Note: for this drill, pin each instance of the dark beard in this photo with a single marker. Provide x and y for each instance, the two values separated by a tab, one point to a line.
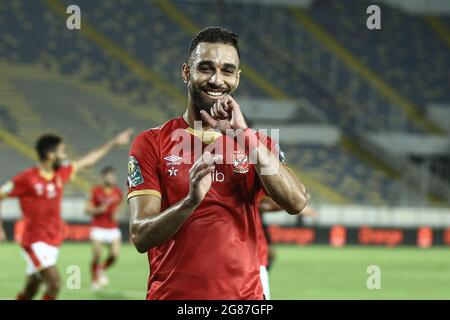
199	101
56	165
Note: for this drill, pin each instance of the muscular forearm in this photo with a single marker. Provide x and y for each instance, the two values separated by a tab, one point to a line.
152	231
281	184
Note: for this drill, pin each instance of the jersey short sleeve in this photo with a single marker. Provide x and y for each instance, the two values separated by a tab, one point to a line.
16	187
143	160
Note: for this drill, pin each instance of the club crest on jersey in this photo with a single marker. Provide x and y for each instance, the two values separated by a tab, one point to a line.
240	162
173	160
135	177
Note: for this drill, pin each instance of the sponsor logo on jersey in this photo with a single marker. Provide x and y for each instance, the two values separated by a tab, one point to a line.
217	176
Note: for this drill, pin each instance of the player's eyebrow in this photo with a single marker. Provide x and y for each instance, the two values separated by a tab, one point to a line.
230	65
211	64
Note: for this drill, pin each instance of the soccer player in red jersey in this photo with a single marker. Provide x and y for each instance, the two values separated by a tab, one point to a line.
194	213
103	205
40	191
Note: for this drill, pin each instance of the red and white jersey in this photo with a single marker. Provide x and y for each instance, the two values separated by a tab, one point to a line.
111	197
40	201
214	255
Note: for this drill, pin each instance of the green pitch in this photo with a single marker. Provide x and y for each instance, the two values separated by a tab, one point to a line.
314	272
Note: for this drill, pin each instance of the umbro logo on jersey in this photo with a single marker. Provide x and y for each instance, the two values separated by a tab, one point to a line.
173	160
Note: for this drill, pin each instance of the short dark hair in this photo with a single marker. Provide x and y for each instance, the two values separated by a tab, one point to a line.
107	169
47	143
215	35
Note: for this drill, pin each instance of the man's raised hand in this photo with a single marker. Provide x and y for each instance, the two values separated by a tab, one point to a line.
200	177
123	137
226	114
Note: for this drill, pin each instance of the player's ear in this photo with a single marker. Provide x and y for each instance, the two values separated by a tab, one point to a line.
185	69
238	78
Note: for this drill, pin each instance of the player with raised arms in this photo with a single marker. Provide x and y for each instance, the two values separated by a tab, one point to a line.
40	191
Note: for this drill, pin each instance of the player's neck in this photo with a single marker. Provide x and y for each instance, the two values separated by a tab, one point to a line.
107	187
192	114
46	170
45	167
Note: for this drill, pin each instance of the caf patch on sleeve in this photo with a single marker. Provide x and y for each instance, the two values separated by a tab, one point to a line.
135	177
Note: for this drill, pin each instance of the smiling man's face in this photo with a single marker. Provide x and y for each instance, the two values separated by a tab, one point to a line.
212	73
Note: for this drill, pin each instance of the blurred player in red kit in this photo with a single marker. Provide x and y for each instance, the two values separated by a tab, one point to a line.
266	253
104	206
40	191
194	213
